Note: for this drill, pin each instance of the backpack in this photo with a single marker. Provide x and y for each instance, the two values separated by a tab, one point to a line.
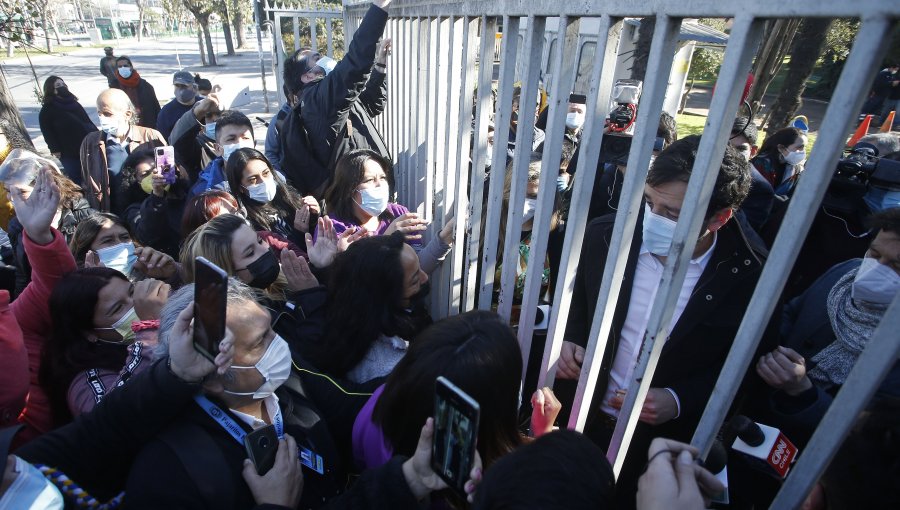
299	164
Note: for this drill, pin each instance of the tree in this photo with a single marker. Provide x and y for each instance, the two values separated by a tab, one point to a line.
12	30
642	48
240	10
807	48
226	25
141	6
837	48
776	42
202	10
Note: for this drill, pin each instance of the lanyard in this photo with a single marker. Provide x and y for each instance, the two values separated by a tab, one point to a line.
229	424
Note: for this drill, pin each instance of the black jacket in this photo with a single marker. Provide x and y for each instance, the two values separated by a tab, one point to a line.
698	343
156	222
64	129
345	94
149	104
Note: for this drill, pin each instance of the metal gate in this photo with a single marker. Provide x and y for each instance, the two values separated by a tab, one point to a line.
436	124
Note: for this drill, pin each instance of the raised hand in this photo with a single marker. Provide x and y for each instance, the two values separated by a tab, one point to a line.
154	264
36	212
383	51
410	224
297	272
188	364
545	409
422	480
149	298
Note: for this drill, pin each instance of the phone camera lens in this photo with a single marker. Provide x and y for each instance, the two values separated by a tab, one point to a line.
264	442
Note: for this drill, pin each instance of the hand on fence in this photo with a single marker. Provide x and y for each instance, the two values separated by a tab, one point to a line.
410	224
571	357
383	51
659	405
784	369
545	409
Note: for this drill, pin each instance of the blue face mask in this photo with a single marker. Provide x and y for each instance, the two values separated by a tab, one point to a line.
120	257
878	199
30	490
210	130
658	232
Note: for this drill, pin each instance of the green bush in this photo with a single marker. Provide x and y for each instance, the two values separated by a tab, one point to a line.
705	64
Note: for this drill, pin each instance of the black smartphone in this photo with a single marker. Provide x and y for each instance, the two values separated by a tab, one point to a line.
210	293
262	445
456	417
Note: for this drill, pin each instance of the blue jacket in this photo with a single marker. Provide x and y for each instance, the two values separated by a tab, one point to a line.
213	176
169	115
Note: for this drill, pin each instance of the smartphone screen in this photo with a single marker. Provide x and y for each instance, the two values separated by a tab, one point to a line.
455	432
210	293
165	162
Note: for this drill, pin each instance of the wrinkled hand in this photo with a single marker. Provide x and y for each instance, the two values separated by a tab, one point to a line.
206	107
149	298
571	357
545	409
448	232
154	264
410	224
283	484
784	369
188	364
422	480
37	212
673	481
324	249
383	51
659	406
91	259
297	272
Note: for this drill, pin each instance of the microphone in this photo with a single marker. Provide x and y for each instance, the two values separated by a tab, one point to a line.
767	448
716	462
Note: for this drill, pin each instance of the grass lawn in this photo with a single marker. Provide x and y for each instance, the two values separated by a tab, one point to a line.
694	124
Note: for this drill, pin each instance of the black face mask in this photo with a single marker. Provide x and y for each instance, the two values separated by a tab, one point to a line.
264	270
64	93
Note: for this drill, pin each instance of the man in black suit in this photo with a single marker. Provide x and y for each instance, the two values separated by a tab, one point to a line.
720	280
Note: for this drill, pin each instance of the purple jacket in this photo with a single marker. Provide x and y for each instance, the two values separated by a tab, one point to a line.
370	447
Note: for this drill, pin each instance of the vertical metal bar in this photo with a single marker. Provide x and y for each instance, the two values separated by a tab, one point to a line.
296	20
313	42
402	118
442	46
423	189
598	94
482	109
503	111
427	154
329	34
463	139
451	144
415	113
861	66
563	67
278	54
870	369
534	42
725	102
661	51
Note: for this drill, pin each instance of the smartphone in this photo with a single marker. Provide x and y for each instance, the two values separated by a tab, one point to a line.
262	445
455	432
165	162
210	293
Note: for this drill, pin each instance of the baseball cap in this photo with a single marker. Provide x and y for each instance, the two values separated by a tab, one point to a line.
183	77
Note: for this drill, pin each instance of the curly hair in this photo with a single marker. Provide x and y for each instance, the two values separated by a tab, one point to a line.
676	162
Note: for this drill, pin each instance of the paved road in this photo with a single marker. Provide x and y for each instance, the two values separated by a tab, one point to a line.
155	60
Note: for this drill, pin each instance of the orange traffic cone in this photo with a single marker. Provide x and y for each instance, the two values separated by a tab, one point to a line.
886	126
861	131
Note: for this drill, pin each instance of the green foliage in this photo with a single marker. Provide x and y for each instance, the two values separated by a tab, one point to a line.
705	64
720	24
838	42
287	35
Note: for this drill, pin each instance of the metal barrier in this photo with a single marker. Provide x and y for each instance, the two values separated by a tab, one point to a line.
436	125
279	52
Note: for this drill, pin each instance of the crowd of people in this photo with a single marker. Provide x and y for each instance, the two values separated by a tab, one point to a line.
105	402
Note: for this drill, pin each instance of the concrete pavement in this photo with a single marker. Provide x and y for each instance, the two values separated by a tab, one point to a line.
156	60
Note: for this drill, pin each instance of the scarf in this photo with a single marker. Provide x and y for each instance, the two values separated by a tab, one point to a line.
853	324
130	86
68	102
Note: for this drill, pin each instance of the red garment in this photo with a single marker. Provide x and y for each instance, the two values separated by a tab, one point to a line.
278	242
130	86
13	365
32	310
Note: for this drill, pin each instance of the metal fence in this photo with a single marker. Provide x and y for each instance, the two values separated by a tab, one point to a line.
436	124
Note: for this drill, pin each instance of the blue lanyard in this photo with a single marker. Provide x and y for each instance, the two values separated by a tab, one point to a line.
229	424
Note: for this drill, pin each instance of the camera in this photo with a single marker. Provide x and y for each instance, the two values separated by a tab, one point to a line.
623	106
857	170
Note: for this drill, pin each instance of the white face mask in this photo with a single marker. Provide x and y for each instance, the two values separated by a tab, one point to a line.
109	125
875	283
530	208
574	120
327	64
228	149
374	200
263	192
795	158
658	232
274	366
120	257
31	491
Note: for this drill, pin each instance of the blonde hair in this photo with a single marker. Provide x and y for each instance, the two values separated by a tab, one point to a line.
212	240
